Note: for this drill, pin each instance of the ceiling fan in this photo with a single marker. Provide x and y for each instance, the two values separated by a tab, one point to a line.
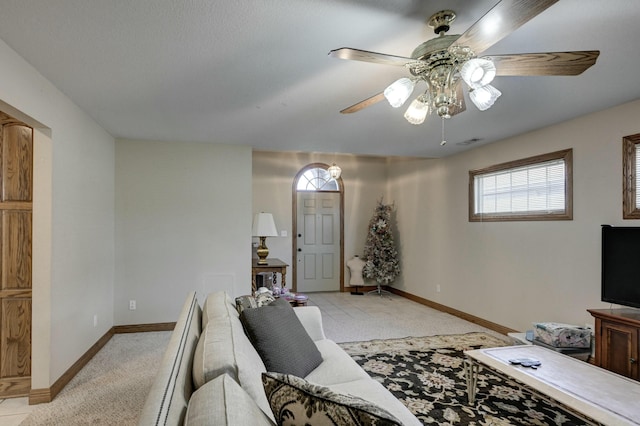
444	62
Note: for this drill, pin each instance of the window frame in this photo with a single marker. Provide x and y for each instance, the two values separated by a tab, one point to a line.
566	155
629	173
310	185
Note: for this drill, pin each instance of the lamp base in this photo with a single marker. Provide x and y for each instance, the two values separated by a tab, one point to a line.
262	252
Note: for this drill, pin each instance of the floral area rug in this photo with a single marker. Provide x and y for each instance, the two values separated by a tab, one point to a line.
427	375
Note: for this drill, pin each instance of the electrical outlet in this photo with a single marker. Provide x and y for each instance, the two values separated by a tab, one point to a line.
95	320
438	288
132	305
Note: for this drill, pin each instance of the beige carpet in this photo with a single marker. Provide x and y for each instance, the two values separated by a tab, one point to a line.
111	388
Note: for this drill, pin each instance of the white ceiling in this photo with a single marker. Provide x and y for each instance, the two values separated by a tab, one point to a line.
256	72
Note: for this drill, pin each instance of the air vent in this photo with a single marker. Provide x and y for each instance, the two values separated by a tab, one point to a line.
469	142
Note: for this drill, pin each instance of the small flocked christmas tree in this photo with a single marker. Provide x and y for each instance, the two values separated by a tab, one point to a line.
380	252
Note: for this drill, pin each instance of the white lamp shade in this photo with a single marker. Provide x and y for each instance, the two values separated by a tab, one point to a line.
418	110
264	226
484	97
478	72
399	91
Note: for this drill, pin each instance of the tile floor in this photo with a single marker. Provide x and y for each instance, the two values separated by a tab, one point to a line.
14	410
346	318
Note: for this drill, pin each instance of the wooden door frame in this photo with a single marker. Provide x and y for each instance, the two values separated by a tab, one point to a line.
294	221
18	385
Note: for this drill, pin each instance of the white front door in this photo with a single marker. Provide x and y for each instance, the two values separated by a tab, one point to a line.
318	227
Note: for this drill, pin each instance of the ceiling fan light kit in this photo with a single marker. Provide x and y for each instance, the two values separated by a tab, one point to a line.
440	65
484	97
446	61
418	110
478	72
399	91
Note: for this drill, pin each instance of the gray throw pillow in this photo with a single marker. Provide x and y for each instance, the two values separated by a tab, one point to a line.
295	401
281	302
280	339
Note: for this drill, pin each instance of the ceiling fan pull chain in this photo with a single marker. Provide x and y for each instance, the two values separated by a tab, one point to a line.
444	142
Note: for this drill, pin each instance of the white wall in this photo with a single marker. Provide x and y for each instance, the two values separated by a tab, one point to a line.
73	223
183	223
364	180
514	273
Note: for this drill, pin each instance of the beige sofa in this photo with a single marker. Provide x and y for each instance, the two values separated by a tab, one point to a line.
212	375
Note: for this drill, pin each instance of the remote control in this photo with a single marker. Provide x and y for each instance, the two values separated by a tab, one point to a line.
526	362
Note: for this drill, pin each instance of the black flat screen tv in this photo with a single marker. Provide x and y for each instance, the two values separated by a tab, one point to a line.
621	265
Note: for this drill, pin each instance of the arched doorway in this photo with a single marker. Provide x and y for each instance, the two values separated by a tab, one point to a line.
318	230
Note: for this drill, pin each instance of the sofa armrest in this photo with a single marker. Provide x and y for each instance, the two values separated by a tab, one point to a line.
311	320
167	401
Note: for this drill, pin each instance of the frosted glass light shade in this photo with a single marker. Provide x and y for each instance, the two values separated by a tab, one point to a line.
478	72
399	91
418	110
484	97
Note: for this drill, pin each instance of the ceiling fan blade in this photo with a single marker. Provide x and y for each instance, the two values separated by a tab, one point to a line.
366	56
363	104
550	63
504	18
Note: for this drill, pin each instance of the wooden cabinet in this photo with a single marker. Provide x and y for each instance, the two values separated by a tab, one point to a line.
617	340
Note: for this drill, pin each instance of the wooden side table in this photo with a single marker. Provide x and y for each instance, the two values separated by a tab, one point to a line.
274	266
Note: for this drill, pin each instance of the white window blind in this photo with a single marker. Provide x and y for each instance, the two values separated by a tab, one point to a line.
536	188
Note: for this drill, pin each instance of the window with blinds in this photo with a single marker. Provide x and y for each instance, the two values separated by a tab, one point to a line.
536	188
630	178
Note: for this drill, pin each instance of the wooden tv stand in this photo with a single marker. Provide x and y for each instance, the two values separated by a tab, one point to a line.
617	340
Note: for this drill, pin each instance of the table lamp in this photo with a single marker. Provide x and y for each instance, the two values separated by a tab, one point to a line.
263	227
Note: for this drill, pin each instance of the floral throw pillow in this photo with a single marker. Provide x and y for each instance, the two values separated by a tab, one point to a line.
294	401
245	302
248	302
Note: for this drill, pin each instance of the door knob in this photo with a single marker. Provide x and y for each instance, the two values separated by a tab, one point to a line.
299	249
299	235
633	360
